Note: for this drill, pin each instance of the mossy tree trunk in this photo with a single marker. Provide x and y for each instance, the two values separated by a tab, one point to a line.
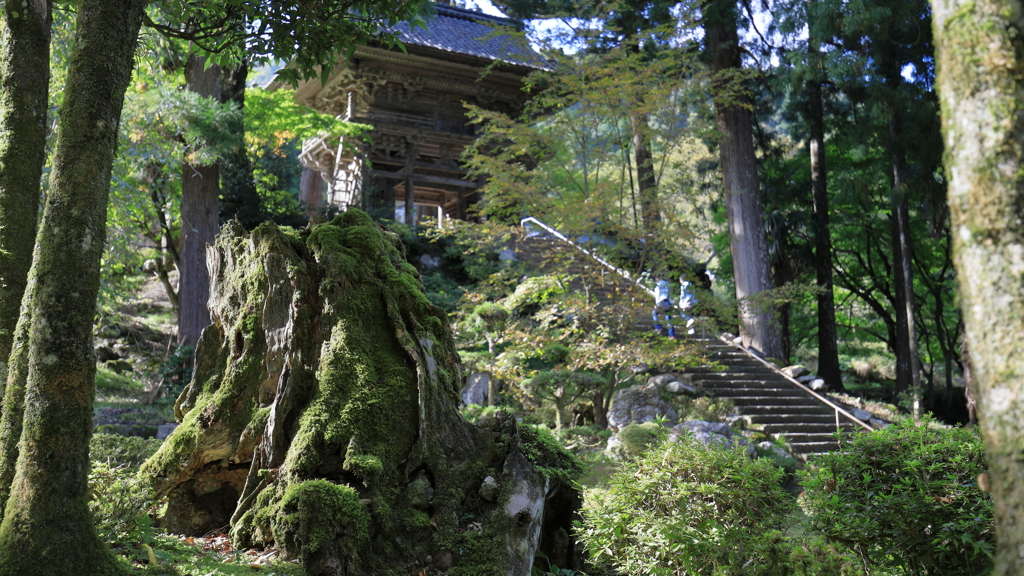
24	83
47	527
980	60
322	417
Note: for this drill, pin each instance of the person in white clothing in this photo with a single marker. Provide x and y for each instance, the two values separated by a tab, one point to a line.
663	304
686	301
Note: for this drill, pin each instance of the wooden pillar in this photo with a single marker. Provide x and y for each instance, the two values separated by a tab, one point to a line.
311	191
410	190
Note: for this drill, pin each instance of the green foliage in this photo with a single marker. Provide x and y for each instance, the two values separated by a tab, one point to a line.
492	316
636	438
274	116
707	408
311	38
533	292
562	387
906	498
687	509
474	412
175	372
442	291
116	451
119	499
548	457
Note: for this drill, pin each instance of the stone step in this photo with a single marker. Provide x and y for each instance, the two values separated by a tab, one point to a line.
745	368
732	376
784	418
790	428
805	449
806	437
778	401
786	409
724	392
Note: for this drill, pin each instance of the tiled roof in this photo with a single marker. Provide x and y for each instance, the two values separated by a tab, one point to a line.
474	33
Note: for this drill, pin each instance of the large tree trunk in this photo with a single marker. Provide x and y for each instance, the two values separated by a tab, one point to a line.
47	528
979	47
200	219
24	83
751	267
322	417
828	349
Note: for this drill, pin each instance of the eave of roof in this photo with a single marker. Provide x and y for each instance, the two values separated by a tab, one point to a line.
472	33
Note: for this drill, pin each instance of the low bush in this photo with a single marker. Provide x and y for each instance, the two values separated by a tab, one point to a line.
703	408
119	500
906	499
689	509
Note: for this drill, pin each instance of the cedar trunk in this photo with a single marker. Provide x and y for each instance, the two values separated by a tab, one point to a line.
908	373
980	81
322	418
24	81
47	527
828	349
200	219
751	268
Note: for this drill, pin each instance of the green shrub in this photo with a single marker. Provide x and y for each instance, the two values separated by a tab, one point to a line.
688	509
703	408
118	498
635	438
175	372
120	502
117	451
906	498
533	292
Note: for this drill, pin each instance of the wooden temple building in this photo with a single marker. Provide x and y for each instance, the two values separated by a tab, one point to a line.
414	102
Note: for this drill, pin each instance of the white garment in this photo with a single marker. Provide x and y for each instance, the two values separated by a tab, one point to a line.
662	292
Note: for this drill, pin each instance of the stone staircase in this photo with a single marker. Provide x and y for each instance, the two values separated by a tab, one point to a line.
770	402
766	398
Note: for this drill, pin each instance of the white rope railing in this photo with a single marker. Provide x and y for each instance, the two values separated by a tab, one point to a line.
624	273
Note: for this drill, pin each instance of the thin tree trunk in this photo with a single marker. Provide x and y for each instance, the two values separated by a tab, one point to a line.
978	57
24	82
828	349
907	364
47	527
646	179
200	211
751	269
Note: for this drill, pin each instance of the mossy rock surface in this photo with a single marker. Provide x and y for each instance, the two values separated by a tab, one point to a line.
322	414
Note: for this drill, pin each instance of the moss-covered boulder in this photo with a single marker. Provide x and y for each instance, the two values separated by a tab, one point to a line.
322	418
